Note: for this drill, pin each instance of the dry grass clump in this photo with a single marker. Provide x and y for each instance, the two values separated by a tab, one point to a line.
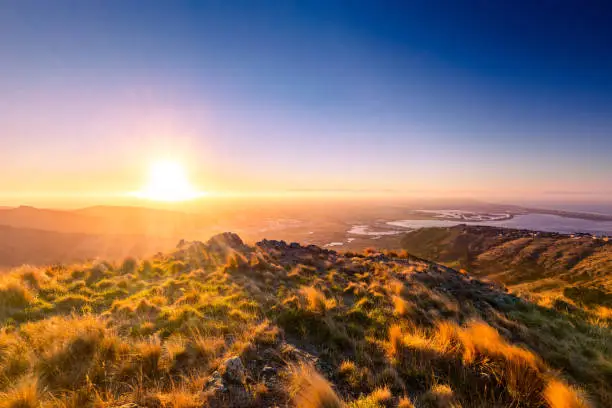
379	398
381	395
314	300
395	287
400	306
24	395
405	402
559	395
14	294
15	358
440	396
180	397
68	350
478	357
147	359
309	389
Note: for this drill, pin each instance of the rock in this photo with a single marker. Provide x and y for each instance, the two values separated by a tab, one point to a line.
271	354
269	377
272	244
233	370
226	239
223	393
215	383
294	245
268	371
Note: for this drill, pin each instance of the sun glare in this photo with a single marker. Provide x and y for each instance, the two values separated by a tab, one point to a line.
168	182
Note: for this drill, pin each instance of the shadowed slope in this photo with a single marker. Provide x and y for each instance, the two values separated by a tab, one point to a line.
575	268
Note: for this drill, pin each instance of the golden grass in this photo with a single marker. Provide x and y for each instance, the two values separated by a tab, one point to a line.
400	306
153	334
405	402
24	395
310	390
13	294
478	348
315	300
559	395
440	396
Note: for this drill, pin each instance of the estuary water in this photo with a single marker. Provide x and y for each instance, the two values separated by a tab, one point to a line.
536	222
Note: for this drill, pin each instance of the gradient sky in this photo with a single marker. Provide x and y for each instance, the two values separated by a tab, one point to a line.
472	98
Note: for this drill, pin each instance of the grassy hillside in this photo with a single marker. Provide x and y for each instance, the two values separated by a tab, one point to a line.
226	324
546	265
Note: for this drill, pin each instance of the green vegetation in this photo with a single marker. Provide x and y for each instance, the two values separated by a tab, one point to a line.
226	324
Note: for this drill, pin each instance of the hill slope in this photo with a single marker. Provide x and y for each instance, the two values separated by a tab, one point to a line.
578	269
227	324
22	245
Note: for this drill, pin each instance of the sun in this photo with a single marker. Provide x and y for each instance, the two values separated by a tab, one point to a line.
168	182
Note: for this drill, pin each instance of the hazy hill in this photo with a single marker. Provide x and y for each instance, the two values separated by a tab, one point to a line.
35	247
140	220
105	220
223	323
580	268
50	220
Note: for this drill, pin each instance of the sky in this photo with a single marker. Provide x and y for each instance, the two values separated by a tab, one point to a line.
485	99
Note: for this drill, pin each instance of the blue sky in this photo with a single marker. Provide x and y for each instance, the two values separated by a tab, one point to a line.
490	99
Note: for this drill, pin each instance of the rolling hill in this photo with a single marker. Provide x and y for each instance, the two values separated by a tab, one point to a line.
226	324
37	247
104	220
577	269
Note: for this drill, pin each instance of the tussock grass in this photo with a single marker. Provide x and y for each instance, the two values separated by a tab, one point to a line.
25	394
312	328
310	390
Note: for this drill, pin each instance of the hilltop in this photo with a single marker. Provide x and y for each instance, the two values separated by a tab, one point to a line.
573	268
224	323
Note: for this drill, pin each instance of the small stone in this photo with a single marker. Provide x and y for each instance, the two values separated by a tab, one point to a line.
233	370
215	383
268	371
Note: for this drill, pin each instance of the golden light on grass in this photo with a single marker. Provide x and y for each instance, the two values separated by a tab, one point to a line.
168	181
